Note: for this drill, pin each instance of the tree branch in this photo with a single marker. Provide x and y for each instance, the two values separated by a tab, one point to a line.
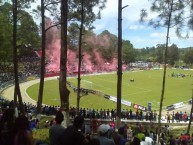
51	3
52	26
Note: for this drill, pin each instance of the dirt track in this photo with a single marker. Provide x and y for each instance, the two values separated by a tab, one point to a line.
9	93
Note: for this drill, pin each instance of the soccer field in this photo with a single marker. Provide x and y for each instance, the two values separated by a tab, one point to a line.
146	88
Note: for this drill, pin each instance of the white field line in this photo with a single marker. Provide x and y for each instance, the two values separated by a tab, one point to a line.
108	88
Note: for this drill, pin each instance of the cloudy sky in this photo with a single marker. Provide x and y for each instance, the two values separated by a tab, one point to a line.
139	34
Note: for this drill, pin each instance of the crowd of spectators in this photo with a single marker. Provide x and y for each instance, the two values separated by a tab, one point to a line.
110	114
31	66
27	66
93	134
15	130
6	74
103	114
100	133
177	116
100	126
129	114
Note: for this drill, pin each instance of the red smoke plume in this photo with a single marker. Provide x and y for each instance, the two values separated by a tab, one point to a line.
91	62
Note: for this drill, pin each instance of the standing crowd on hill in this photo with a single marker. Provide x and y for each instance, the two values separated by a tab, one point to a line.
27	66
103	114
100	131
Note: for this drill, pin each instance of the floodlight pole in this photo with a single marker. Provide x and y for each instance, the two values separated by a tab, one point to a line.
119	72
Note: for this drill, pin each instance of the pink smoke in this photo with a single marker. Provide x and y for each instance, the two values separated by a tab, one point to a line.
91	61
53	54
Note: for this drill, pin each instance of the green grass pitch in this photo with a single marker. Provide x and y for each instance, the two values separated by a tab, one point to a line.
146	88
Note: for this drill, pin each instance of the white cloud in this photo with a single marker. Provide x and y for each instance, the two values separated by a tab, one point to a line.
158	35
139	34
131	13
136	27
110	10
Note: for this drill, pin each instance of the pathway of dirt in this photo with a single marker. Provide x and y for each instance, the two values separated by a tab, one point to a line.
9	93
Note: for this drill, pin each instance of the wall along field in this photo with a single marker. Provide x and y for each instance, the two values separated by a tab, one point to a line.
146	88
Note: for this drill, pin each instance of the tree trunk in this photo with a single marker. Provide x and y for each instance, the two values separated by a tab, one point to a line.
41	86
80	56
64	92
191	111
15	60
15	97
119	72
164	73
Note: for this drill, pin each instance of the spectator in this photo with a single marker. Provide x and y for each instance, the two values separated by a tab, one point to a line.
184	142
172	141
129	134
140	135
116	138
185	117
103	132
95	124
136	129
73	134
6	127
94	141
192	136
136	141
22	133
122	134
185	137
148	140
112	124
143	142
56	131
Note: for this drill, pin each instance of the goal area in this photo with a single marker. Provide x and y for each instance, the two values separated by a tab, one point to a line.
86	84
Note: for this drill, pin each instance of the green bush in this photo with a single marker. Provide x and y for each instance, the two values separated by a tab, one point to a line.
41	135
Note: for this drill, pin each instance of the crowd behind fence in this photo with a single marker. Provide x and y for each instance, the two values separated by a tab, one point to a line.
31	66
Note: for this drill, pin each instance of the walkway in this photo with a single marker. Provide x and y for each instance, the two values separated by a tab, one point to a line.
9	95
9	92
